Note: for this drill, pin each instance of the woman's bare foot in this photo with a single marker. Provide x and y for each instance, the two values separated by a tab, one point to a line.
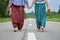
42	29
19	30
39	30
15	29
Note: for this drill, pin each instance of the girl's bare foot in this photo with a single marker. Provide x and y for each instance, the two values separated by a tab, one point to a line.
15	29
19	30
42	29
39	30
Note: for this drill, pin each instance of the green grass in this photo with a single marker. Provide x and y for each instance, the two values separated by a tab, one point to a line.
5	19
30	15
52	17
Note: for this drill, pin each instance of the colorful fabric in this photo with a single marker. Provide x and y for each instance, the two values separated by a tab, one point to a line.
40	12
18	16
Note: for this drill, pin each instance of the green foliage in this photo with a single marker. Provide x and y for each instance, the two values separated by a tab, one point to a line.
3	7
54	17
59	11
6	19
29	15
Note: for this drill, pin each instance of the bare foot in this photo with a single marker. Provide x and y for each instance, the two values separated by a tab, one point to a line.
42	29
19	30
15	30
39	30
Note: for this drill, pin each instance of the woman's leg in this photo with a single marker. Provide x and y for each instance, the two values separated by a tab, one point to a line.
37	22
43	17
37	14
14	17
21	17
40	12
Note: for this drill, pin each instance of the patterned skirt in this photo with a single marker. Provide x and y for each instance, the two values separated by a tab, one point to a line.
40	13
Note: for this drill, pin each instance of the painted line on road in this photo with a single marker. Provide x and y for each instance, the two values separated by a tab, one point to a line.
30	24
31	36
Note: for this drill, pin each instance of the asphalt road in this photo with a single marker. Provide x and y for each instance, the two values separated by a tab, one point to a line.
29	31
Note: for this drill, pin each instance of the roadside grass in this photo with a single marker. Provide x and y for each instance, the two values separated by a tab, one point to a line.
7	19
52	17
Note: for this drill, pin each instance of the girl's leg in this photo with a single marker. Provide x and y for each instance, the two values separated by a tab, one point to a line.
14	17
37	22
37	14
21	17
43	21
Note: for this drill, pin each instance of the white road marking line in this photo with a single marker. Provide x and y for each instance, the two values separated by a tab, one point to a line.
30	24
31	36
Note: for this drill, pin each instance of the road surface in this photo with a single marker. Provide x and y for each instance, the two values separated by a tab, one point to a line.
29	31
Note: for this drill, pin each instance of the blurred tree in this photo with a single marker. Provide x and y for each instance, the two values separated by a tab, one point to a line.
3	7
59	9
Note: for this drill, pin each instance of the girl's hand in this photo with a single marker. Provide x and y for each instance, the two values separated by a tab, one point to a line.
48	8
29	6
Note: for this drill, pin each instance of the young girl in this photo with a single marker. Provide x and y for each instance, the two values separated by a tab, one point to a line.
17	8
40	12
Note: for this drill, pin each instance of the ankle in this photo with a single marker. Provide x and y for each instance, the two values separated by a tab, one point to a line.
15	28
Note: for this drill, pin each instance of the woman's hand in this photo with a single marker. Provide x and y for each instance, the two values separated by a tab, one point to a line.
48	11
48	8
29	6
33	2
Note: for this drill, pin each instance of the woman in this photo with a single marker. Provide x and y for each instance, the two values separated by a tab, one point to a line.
17	8
40	12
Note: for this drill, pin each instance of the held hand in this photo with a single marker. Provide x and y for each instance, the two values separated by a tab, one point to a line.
29	6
